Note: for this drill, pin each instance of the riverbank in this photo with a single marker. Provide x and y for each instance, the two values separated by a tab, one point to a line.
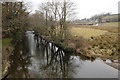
6	53
72	44
8	42
90	41
90	48
41	59
114	65
7	49
103	43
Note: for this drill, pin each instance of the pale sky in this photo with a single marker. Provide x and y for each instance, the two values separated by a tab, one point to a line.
88	8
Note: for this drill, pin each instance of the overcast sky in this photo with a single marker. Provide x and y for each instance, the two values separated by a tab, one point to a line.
88	8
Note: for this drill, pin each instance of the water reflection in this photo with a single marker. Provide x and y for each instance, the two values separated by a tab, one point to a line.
20	60
49	61
33	57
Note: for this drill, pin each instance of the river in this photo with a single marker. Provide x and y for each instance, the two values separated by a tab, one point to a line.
36	58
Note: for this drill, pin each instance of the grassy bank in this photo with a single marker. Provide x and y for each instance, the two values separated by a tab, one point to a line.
6	41
6	52
103	41
91	41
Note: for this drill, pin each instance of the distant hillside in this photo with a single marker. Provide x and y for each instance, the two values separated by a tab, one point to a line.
100	19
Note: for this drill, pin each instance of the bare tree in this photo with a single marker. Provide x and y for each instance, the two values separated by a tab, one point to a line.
56	13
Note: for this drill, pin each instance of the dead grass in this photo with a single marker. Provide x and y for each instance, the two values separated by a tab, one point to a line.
112	29
86	32
113	24
102	40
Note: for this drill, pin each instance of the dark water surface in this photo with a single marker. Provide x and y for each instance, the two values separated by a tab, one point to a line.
36	58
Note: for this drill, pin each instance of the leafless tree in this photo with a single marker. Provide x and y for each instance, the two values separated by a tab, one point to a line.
56	13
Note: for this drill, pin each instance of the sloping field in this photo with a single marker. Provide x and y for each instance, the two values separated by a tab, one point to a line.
87	32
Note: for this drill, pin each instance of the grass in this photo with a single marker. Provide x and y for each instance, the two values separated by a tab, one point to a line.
111	29
101	40
107	45
113	24
87	32
6	41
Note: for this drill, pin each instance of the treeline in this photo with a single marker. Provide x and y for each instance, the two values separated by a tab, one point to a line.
51	19
105	17
97	16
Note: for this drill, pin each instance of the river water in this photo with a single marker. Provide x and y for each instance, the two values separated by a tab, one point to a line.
36	58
